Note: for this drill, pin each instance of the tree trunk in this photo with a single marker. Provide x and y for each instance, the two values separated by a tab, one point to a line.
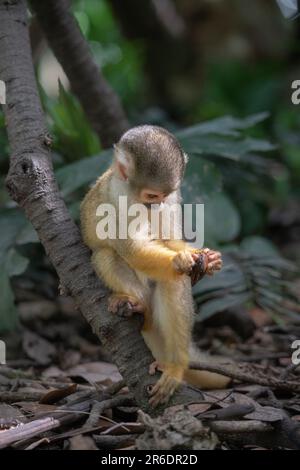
31	183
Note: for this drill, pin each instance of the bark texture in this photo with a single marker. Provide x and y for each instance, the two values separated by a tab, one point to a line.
31	183
100	103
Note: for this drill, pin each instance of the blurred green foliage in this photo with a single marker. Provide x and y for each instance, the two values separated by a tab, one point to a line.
239	88
73	136
121	60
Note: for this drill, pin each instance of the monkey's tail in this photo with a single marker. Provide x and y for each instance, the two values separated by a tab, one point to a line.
205	380
202	378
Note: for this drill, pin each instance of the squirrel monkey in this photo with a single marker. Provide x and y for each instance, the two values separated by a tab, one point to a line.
146	275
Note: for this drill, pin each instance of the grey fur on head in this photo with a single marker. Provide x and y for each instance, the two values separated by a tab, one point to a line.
158	158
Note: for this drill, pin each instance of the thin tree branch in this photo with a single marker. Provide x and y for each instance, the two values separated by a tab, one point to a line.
31	183
28	430
250	373
100	103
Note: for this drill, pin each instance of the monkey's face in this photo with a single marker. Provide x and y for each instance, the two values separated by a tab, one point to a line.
152	162
150	196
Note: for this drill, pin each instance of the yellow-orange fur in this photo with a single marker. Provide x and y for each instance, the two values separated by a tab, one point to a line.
145	271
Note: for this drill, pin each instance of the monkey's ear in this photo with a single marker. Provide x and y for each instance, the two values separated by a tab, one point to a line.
186	158
122	162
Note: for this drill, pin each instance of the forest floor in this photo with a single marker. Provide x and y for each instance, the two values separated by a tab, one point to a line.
58	389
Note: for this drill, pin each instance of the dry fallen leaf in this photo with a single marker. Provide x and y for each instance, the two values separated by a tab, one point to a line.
54	372
260	413
260	317
196	408
81	442
101	372
10	416
57	394
35	408
37	348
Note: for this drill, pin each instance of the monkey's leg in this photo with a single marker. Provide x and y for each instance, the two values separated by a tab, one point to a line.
129	294
170	335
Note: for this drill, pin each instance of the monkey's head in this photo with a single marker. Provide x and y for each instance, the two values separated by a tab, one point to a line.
151	160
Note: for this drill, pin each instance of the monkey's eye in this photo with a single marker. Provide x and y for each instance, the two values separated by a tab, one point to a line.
151	196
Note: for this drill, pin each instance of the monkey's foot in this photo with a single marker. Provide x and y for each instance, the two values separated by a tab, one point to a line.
124	305
166	386
154	366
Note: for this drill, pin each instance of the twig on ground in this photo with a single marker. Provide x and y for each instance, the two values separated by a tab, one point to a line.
111	442
247	373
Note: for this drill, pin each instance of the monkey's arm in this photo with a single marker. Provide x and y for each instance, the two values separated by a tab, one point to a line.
176	245
153	259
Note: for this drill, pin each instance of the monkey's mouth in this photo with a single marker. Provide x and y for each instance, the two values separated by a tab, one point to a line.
154	205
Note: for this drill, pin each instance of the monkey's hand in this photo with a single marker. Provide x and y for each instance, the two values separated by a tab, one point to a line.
184	261
167	384
124	305
207	262
214	261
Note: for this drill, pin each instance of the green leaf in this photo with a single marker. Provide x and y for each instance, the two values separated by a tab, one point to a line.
15	263
255	272
12	221
231	149
219	305
221	220
27	235
201	179
73	136
229	277
8	313
76	175
226	125
12	224
259	247
15	229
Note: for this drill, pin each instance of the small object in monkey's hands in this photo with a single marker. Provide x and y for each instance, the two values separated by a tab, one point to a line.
199	268
208	262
